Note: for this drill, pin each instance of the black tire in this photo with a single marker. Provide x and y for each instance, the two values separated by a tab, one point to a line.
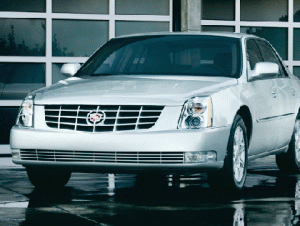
227	178
47	178
288	162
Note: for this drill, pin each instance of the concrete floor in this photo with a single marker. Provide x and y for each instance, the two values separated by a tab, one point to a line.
269	198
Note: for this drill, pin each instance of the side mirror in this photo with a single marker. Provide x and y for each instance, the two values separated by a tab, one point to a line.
70	69
264	69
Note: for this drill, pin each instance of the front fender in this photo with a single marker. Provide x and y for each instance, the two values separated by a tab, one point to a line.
226	104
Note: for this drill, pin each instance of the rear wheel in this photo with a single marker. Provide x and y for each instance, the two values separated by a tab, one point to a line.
47	178
233	174
289	162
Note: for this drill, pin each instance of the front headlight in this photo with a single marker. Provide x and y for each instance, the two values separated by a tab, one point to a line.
25	117
196	113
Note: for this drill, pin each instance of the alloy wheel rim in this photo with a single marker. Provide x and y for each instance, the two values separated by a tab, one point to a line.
239	154
297	140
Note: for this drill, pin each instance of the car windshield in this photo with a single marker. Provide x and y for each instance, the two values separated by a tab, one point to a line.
166	55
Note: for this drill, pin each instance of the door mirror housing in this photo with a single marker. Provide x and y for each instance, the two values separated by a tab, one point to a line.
264	69
70	69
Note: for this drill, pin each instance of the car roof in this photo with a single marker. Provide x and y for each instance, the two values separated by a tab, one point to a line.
202	33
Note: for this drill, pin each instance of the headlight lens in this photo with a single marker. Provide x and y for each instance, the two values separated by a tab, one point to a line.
196	113
25	117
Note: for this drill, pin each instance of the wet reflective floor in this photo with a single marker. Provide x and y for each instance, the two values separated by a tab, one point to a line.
269	198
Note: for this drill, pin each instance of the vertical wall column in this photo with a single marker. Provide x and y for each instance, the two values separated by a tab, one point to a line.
191	15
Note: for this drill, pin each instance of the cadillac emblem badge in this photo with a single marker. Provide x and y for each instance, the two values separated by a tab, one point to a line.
95	118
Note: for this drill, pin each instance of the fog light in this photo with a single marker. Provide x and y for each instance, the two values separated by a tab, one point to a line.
201	156
15	153
211	156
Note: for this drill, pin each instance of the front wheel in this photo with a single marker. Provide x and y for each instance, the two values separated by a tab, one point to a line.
47	178
233	174
289	162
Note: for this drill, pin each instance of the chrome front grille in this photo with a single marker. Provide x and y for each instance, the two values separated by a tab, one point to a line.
104	157
114	117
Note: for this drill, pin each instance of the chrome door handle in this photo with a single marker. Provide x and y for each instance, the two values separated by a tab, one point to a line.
293	92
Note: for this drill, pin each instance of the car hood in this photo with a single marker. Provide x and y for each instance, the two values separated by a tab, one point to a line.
166	90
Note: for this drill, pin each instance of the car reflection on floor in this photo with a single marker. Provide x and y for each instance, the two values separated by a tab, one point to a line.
268	199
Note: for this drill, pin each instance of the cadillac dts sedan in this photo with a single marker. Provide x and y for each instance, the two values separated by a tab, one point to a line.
163	103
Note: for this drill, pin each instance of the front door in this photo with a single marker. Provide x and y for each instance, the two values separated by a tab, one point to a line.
264	105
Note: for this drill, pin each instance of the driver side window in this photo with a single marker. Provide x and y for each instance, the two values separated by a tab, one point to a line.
253	55
270	56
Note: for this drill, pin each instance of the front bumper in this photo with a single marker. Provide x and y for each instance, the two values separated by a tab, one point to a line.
205	139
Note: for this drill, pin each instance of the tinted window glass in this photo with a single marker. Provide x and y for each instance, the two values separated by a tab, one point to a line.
296	11
296	46
218	9
19	79
167	55
217	28
56	73
23	5
142	7
28	73
78	37
270	56
80	6
135	27
297	71
277	36
253	54
22	37
22	73
266	10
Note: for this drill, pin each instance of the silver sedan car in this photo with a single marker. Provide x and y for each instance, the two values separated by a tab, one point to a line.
164	103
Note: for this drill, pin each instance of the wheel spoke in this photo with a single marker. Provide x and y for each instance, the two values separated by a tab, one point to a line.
297	140
297	144
239	154
242	164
